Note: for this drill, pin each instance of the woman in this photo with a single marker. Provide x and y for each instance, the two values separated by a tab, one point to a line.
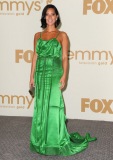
49	135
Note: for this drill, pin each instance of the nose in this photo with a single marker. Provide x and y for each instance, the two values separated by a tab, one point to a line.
49	16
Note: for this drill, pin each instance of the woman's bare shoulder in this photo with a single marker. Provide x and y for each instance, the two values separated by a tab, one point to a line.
37	35
63	34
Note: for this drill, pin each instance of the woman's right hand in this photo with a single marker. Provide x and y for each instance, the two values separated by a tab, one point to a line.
31	83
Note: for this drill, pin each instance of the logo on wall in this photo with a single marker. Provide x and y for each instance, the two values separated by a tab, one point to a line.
21	7
95	57
97	105
98	6
48	1
15	101
23	55
83	57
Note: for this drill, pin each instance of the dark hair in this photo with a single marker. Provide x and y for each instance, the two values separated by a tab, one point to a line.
43	20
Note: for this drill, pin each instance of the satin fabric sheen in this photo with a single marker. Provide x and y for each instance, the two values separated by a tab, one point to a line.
49	135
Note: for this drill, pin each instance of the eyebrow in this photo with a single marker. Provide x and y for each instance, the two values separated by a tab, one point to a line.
52	12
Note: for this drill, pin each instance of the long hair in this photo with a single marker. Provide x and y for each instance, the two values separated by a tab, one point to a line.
43	20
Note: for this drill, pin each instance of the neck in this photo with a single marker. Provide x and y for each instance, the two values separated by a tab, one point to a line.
50	28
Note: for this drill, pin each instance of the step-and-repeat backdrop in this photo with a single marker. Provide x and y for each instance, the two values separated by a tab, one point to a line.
89	25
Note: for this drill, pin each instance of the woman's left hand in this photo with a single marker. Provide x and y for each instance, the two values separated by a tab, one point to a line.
63	82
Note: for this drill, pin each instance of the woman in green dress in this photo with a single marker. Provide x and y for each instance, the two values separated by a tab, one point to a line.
49	135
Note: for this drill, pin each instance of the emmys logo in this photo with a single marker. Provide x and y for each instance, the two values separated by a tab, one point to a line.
15	101
20	7
23	55
84	57
96	105
92	57
98	6
48	1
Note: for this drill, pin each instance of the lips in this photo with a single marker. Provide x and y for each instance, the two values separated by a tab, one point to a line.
49	21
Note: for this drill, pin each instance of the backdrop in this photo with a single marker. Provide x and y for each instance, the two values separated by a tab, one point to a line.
89	25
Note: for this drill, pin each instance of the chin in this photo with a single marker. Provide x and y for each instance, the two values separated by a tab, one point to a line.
50	24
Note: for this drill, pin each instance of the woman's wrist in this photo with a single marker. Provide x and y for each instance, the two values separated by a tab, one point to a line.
64	75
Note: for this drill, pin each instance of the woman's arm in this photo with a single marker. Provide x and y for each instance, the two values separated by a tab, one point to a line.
33	64
65	46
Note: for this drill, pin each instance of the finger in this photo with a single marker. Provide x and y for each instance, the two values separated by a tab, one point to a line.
30	85
62	86
60	80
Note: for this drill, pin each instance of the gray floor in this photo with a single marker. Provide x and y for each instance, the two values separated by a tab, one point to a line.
15	131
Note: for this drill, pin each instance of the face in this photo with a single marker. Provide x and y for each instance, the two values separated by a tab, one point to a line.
51	17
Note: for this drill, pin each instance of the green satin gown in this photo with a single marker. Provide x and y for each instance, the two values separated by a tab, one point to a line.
49	135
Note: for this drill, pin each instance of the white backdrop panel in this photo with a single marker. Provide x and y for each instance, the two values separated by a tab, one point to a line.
89	27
